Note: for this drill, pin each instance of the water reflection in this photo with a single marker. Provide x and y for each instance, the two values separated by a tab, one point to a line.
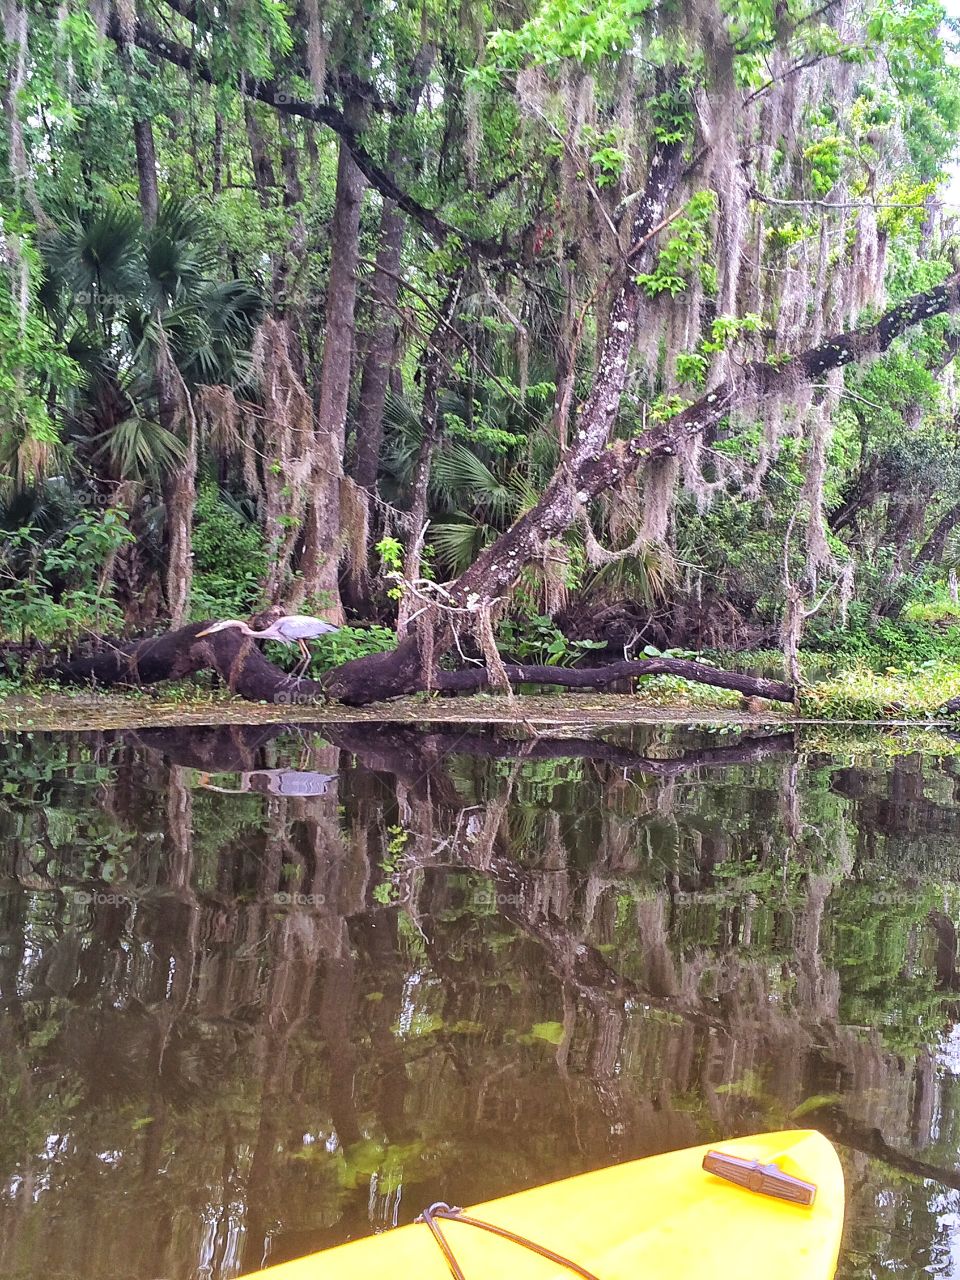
262	992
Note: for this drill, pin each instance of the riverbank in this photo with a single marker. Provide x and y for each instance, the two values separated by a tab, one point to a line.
909	694
540	713
81	711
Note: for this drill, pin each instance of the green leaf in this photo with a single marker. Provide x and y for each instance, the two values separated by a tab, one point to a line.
552	1032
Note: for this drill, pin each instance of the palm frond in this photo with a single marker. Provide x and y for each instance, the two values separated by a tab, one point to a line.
461	479
648	575
457	543
400	417
177	251
140	448
95	256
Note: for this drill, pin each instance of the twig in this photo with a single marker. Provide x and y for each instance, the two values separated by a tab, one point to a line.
442	321
842	204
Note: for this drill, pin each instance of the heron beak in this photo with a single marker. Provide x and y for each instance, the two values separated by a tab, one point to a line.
201	634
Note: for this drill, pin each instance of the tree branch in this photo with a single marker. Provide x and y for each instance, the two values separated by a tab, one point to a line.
475	678
273	95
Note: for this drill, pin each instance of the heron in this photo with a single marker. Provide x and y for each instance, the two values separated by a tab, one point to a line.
276	782
292	628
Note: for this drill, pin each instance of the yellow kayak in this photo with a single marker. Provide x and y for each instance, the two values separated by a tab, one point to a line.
764	1208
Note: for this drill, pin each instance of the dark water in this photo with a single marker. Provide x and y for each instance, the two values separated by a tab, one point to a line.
261	992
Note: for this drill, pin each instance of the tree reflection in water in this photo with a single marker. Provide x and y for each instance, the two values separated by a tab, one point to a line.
262	993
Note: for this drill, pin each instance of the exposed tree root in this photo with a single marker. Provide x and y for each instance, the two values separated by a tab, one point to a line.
245	671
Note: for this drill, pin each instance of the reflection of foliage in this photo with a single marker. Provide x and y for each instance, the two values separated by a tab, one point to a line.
386	891
884	983
419	1046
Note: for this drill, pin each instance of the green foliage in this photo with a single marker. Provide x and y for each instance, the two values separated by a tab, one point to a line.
230	559
685	249
606	155
909	639
672	114
50	586
348	643
34	367
825	157
538	641
562	29
913	691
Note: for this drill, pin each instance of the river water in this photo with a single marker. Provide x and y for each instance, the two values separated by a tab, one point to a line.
263	991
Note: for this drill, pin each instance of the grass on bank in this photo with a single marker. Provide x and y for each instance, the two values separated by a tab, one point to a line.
913	691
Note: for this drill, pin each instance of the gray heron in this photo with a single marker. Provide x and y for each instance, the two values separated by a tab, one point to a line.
292	628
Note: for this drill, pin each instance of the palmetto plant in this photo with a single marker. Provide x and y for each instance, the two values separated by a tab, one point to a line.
482	477
120	295
474	503
486	476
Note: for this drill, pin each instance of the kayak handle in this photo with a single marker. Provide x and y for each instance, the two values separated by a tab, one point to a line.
765	1179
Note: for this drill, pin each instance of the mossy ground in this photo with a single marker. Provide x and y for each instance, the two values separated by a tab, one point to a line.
61	711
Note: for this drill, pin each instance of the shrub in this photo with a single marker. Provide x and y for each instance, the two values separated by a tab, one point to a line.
349	642
909	691
230	560
538	640
49	585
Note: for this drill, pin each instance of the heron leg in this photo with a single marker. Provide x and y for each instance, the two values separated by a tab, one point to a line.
305	654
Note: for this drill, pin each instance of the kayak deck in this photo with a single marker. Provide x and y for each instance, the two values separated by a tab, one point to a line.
659	1217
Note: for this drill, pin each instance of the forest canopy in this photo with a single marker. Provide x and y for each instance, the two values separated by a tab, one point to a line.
508	330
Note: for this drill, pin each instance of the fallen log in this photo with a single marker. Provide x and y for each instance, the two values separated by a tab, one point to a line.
242	667
474	679
173	655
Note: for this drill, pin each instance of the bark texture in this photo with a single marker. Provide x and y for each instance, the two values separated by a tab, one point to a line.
384	289
375	378
174	413
322	531
146	170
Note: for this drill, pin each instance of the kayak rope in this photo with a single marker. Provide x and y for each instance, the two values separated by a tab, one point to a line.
441	1210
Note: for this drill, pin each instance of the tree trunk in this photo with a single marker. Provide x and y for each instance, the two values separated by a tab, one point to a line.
264	178
384	289
932	550
246	671
179	498
437	347
294	255
375	379
322	534
217	179
146	171
289	448
173	411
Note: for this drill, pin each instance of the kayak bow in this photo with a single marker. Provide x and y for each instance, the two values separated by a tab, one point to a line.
749	1209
